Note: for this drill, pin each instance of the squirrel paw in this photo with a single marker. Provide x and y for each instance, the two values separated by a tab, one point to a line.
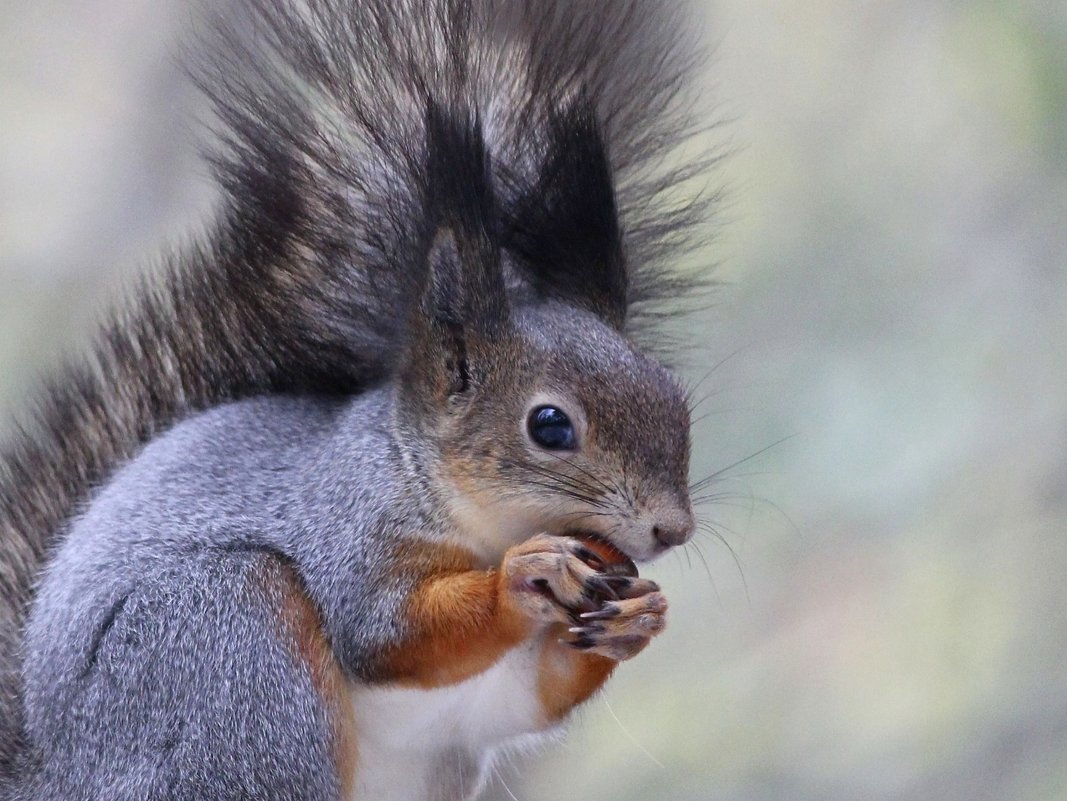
550	583
621	629
549	580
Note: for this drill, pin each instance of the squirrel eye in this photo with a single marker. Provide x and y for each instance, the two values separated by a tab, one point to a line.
550	428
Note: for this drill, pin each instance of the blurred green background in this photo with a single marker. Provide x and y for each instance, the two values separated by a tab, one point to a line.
893	246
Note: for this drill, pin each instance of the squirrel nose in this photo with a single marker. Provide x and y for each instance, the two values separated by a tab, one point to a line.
673	529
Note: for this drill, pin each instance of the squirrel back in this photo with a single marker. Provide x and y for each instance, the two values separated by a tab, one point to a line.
306	282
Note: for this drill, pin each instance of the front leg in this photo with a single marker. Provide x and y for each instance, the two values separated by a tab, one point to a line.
462	621
596	619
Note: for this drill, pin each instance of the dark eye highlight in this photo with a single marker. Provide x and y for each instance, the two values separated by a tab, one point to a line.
550	428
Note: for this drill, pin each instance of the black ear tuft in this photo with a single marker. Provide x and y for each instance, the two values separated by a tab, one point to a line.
464	286
565	230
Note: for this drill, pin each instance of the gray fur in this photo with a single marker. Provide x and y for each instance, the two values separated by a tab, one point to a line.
145	647
305	281
174	688
357	138
151	665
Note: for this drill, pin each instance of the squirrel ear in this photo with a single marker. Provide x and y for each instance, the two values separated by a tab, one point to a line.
565	229
451	296
463	294
443	311
464	282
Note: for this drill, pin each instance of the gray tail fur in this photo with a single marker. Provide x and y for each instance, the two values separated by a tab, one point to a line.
305	283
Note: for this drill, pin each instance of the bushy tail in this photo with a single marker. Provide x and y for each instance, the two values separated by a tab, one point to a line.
305	284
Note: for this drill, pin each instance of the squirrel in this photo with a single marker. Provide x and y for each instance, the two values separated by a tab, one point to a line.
350	499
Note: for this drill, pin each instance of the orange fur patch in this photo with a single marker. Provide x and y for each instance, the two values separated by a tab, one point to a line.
567	677
303	625
459	617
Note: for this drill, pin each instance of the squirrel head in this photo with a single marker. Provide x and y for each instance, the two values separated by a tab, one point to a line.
528	408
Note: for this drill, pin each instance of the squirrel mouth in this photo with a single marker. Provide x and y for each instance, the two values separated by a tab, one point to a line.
603	555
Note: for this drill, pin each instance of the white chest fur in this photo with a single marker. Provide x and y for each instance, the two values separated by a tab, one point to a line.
437	745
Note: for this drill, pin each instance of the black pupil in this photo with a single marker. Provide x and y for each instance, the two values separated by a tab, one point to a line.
551	428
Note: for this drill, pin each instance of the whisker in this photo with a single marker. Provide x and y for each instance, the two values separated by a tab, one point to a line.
721	496
624	491
704	398
707	528
712	412
704	482
703	560
581	513
563	490
630	737
600	482
746	501
733	504
717	527
707	375
558	476
561	482
504	784
711	579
